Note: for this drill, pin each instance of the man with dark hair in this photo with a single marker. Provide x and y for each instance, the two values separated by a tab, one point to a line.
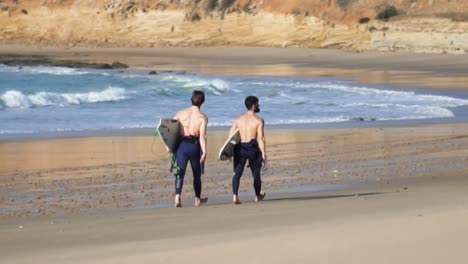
192	146
251	148
198	98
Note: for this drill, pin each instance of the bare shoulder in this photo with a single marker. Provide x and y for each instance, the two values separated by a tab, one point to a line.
260	120
238	118
203	116
181	113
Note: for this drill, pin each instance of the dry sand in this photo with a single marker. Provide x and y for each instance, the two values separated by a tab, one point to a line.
426	223
403	201
356	195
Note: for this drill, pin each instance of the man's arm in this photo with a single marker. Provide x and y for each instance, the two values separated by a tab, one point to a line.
261	138
233	127
203	138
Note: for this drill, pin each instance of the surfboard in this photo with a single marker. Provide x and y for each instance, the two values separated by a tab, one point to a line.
227	151
169	132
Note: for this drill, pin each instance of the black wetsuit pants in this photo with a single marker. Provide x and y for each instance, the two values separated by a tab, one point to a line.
189	150
251	152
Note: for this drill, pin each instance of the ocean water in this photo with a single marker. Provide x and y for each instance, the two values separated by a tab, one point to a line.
35	100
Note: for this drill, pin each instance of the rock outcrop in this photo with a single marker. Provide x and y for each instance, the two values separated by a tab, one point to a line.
436	26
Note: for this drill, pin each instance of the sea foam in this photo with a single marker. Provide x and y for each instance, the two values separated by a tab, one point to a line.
17	99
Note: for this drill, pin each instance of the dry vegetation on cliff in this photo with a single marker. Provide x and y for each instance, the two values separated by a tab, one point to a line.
415	25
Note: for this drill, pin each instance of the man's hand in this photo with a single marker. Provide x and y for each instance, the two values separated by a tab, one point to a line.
264	167
203	157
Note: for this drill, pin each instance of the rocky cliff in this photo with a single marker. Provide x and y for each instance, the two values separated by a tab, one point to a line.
439	26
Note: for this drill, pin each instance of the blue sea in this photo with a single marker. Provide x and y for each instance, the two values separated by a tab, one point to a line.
54	100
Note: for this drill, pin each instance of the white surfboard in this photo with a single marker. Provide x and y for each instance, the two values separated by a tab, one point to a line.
227	151
169	132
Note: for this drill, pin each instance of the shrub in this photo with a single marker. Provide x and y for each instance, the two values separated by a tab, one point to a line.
296	12
343	3
387	13
246	8
364	20
195	17
225	4
212	4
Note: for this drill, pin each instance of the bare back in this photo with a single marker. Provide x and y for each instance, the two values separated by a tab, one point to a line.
191	120
248	126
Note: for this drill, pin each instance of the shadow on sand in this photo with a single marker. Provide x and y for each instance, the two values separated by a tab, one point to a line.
313	197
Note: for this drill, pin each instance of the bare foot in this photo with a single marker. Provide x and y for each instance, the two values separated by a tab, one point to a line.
260	197
235	199
178	203
200	201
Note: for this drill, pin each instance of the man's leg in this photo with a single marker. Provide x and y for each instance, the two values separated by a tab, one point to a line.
255	167
239	164
197	183
181	159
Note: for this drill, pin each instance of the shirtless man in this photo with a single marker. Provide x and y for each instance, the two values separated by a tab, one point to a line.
192	146
251	148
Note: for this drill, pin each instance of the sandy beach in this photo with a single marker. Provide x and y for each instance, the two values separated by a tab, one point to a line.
392	193
425	223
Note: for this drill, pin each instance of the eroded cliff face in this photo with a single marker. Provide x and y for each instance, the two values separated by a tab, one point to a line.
413	25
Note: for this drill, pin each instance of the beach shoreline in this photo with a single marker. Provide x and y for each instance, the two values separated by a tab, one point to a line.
370	192
438	74
437	71
113	153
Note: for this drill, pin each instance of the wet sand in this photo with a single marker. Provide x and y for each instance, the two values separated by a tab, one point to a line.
90	174
381	194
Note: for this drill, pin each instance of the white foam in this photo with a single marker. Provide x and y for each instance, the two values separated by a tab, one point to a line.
215	86
195	84
401	96
290	121
308	121
218	124
45	70
16	99
220	85
176	78
362	90
9	132
417	111
278	84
